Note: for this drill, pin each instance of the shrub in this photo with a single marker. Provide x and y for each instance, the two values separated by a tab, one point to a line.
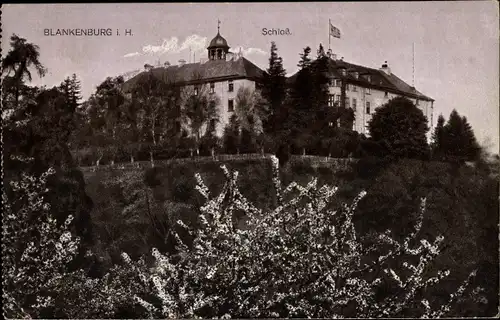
301	259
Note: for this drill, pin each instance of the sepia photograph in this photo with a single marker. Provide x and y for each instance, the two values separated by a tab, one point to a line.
250	160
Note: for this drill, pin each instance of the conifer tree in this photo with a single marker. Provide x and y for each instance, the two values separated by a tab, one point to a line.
274	91
437	138
459	141
302	96
231	135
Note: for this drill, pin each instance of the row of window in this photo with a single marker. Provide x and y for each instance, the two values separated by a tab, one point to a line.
334	99
230	87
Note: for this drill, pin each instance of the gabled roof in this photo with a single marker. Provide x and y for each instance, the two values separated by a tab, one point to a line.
378	79
211	70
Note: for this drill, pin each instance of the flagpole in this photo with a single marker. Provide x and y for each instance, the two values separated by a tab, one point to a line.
329	35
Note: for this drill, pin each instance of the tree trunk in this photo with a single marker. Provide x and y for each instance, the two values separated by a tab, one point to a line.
303	151
112	162
151	159
132	159
98	160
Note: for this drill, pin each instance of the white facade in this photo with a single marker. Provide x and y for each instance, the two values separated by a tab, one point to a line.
225	91
364	102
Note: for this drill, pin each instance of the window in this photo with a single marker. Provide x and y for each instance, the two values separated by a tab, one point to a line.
230	105
367	107
337	98
212	124
212	87
338	123
343	72
347	87
354	88
330	124
354	102
347	102
195	91
386	94
231	86
331	101
368	78
368	90
338	83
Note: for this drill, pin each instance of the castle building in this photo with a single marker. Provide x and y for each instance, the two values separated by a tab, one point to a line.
222	74
365	89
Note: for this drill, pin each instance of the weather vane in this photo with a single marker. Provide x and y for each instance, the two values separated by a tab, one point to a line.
218	25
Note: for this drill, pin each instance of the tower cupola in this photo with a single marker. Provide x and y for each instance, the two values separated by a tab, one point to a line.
218	48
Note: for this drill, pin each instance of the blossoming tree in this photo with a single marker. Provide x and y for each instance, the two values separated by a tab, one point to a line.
300	259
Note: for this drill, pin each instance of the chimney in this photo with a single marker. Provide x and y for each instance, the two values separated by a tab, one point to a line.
182	62
148	67
166	64
386	68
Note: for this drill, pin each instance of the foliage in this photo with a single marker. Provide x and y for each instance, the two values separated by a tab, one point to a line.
199	109
36	250
274	92
301	259
455	141
231	136
399	128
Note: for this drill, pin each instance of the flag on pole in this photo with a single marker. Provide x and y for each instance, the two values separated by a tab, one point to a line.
334	32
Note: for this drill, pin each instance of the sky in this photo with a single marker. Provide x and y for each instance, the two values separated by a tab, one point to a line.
455	60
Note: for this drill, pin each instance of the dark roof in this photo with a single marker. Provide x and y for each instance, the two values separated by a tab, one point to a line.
378	79
218	42
202	72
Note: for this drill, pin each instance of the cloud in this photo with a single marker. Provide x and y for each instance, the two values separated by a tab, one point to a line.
194	43
133	54
249	51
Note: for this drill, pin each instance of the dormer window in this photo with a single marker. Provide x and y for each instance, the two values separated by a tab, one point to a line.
368	78
343	72
355	74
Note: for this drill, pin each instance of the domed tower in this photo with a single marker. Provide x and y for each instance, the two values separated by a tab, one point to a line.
218	48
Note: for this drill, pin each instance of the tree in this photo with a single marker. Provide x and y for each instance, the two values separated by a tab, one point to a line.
437	138
459	143
251	112
21	57
199	109
231	136
301	258
36	249
400	128
155	102
274	92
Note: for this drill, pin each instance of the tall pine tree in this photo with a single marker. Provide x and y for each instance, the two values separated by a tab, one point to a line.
459	142
437	139
274	92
